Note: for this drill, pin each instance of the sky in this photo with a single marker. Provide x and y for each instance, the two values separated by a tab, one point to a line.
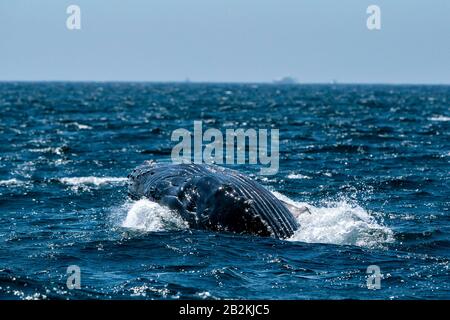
314	41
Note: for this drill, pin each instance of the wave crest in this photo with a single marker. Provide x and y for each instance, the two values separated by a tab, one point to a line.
11	182
96	181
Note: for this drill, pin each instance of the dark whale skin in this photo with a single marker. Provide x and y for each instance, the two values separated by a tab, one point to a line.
213	198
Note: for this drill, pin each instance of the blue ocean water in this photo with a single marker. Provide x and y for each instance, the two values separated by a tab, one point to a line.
371	163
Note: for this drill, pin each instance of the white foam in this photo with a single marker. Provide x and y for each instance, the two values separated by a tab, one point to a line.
11	182
58	150
297	176
96	181
439	118
80	126
146	215
339	222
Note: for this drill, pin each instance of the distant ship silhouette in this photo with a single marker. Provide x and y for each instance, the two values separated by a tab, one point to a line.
286	80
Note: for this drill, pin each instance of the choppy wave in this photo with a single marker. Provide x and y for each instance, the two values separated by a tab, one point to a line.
96	181
73	181
376	144
439	118
11	182
79	126
297	176
55	150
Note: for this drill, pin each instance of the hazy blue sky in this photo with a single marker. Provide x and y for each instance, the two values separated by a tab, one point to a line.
226	40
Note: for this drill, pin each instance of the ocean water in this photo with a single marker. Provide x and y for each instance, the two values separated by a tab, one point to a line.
370	162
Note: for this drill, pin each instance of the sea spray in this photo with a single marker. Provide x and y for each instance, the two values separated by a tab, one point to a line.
145	215
339	222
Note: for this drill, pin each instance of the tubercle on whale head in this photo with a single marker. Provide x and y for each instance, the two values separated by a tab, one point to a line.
135	187
147	166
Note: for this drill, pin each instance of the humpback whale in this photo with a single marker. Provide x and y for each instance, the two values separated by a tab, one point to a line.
214	198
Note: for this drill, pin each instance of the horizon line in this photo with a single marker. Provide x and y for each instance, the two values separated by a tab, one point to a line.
273	82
